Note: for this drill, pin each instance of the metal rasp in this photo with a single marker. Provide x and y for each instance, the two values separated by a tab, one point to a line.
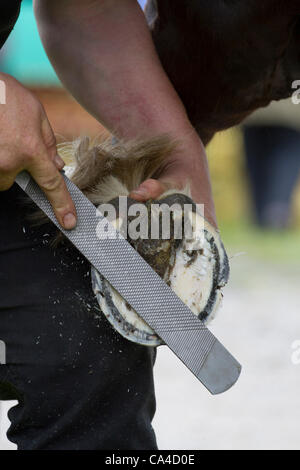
144	290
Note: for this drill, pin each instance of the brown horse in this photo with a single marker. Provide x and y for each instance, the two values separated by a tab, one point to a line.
227	58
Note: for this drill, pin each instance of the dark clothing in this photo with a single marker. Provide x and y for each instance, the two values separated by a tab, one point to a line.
273	160
9	12
227	58
80	385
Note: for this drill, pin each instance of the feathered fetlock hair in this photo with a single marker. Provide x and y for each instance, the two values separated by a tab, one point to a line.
106	170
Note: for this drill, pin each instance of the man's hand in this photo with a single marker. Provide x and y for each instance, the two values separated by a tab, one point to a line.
179	170
27	143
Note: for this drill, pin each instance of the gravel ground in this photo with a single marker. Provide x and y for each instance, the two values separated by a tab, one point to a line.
259	322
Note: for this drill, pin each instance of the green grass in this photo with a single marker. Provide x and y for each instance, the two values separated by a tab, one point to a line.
271	245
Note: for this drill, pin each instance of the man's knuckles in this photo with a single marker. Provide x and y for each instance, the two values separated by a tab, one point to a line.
51	183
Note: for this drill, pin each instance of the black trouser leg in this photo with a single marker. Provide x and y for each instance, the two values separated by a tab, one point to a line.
80	385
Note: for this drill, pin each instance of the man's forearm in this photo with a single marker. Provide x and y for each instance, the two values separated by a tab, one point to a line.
103	52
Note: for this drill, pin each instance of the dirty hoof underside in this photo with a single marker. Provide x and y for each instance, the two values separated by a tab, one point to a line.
191	259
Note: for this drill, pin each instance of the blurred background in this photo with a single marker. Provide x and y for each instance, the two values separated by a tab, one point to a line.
256	182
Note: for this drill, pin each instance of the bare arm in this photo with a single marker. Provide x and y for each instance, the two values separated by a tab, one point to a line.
103	52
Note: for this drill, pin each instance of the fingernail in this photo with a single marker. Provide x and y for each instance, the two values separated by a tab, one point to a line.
142	191
69	221
59	161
